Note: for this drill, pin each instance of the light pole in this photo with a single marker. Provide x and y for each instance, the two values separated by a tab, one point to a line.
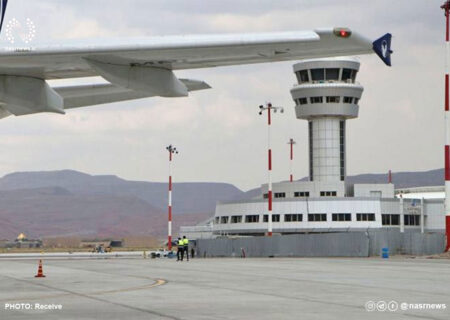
172	150
446	7
269	109
291	158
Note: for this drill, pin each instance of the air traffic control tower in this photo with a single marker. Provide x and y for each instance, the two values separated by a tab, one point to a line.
327	95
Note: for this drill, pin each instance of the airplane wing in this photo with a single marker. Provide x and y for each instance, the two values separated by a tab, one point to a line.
138	68
180	52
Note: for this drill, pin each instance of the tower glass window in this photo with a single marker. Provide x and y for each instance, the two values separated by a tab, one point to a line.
304	76
302	101
318	74
332	74
316	100
347	74
333	99
348	99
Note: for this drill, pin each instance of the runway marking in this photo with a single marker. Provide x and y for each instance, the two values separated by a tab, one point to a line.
89	296
157	283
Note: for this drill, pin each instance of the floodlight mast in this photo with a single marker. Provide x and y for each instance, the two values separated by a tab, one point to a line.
269	109
291	142
172	150
446	7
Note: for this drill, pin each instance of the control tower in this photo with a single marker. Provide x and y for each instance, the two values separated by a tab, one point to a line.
327	95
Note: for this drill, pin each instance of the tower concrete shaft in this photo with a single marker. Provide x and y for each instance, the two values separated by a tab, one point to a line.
326	96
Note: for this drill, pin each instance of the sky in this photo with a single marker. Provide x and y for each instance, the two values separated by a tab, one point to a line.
219	133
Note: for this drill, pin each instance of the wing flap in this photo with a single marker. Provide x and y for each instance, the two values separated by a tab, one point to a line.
89	95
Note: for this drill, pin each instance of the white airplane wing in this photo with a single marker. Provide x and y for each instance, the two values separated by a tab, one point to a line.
139	68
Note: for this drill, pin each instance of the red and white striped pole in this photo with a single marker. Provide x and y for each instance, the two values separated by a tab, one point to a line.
291	159
171	150
269	109
446	7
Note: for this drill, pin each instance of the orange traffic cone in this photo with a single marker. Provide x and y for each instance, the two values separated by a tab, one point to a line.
40	274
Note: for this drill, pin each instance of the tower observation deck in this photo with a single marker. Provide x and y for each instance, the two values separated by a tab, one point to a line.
327	95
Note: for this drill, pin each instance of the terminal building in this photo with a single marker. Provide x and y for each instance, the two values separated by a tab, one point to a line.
326	95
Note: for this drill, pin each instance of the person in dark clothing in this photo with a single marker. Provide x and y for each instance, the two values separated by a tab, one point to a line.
185	247
180	249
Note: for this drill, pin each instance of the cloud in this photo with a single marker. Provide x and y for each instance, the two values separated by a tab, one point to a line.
221	136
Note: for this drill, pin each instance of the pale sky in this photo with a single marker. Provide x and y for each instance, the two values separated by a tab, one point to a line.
219	133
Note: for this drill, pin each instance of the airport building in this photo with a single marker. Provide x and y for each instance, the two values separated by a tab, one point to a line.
326	95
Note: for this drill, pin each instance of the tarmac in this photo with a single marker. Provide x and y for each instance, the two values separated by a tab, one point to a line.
277	288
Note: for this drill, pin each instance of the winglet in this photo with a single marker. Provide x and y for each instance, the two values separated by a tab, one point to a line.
382	48
3	4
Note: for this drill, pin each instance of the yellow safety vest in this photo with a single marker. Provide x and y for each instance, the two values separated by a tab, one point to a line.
185	242
180	243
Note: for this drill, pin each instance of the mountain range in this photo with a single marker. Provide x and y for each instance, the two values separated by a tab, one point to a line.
71	203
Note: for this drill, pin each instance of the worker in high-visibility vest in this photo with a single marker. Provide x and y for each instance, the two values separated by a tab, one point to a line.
186	247
180	249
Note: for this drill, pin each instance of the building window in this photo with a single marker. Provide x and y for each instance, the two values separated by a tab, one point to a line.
223	219
280	194
252	219
293	217
347	74
412	220
302	101
317	74
328	193
332	74
275	218
390	219
333	99
342	217
365	217
348	99
356	100
317	217
304	76
342	149
301	194
236	219
265	196
311	153
217	220
316	100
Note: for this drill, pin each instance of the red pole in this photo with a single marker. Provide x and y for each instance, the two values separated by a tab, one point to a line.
446	7
169	231
171	150
269	122
291	158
